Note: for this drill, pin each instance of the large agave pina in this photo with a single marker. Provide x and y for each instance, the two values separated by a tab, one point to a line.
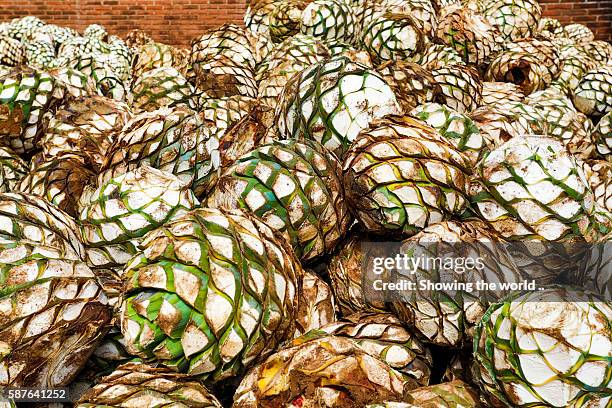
515	19
20	28
319	369
468	33
392	37
172	140
99	67
286	19
210	294
293	187
401	176
548	348
40	54
116	215
25	96
600	51
12	170
332	101
461	87
383	336
453	394
60	180
459	129
224	62
545	51
87	125
448	317
593	95
303	50
52	310
519	68
534	193
549	28
162	87
413	85
330	20
143	385
257	16
602	136
74	82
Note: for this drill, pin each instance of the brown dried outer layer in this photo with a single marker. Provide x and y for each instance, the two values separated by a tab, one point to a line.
46	354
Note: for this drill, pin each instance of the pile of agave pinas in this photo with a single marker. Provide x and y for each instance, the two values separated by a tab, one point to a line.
188	227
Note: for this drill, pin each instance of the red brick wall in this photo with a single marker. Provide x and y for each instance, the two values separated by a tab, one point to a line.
178	21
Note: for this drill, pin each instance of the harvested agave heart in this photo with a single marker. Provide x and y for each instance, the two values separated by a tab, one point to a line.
240	138
294	188
12	52
210	294
401	176
257	16
469	33
346	272
459	129
287	59
548	348
25	96
152	55
53	314
162	87
332	101
224	62
52	311
515	19
593	95
519	68
602	136
330	20
454	394
393	37
461	87
286	19
31	219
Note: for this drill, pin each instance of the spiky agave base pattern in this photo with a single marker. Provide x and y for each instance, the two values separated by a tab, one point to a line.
158	206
